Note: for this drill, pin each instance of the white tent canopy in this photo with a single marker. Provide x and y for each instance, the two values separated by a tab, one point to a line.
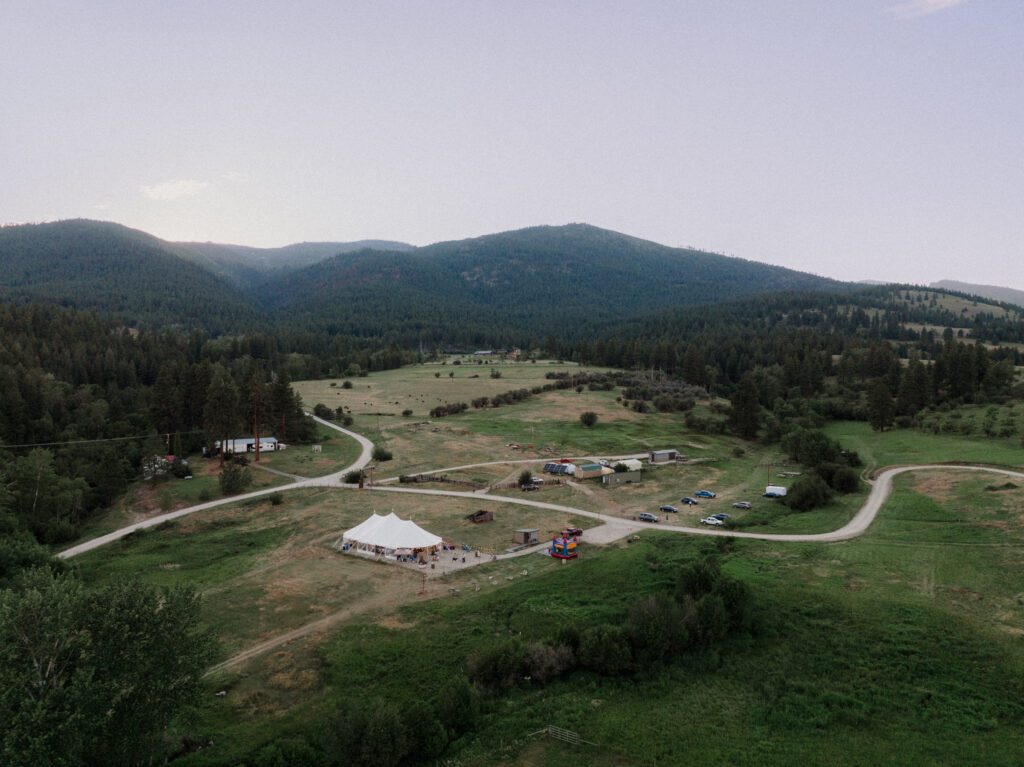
390	533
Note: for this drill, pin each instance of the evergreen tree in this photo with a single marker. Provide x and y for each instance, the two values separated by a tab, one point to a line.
881	407
746	408
914	389
281	403
220	417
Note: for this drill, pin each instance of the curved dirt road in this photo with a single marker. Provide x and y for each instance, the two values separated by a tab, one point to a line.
327	480
621	527
613	528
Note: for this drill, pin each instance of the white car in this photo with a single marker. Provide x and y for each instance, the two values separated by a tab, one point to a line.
712	521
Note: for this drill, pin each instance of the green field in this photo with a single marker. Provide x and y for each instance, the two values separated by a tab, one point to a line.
901	647
337	452
266	569
905	446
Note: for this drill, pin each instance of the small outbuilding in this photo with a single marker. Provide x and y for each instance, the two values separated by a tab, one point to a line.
525	535
632	464
589	470
622	478
663	456
775	491
481	515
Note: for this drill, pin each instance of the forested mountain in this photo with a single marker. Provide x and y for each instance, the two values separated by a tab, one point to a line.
247	267
563	281
123	273
993	292
503	289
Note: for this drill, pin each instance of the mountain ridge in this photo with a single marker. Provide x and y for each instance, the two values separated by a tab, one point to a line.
993	292
519	283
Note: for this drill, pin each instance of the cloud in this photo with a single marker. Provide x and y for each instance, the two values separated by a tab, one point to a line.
174	190
235	177
914	8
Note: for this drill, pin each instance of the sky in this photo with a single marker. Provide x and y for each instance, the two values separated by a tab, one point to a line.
863	139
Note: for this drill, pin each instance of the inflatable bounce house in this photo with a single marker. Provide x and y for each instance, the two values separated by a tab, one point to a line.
563	546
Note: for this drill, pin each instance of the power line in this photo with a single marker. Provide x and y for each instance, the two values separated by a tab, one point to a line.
93	441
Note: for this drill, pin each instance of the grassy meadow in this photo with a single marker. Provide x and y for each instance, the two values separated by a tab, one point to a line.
265	569
901	647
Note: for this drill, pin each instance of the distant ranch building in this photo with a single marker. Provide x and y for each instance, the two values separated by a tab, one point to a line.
591	470
663	456
248	445
622	478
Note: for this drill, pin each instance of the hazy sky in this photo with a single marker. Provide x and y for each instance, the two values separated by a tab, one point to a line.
853	138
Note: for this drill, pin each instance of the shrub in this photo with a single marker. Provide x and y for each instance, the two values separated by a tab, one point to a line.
808	492
544	662
588	419
708	621
525	477
346	384
845	480
321	410
381	454
205	495
810	447
605	649
450	409
458	706
234	478
291	752
497	667
407	412
655	630
425	735
353	477
697	578
276	499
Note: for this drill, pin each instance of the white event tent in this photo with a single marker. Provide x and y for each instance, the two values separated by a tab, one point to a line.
389	534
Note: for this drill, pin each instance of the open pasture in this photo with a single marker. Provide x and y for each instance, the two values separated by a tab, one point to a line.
904	641
265	569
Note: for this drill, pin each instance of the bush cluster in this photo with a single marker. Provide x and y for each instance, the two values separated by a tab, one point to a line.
450	408
380	733
832	469
705	608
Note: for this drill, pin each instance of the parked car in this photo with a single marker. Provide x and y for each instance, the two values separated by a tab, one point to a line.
646	516
604	462
577	531
669	509
705	494
712	521
538	480
743	505
528	488
688	501
722	517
